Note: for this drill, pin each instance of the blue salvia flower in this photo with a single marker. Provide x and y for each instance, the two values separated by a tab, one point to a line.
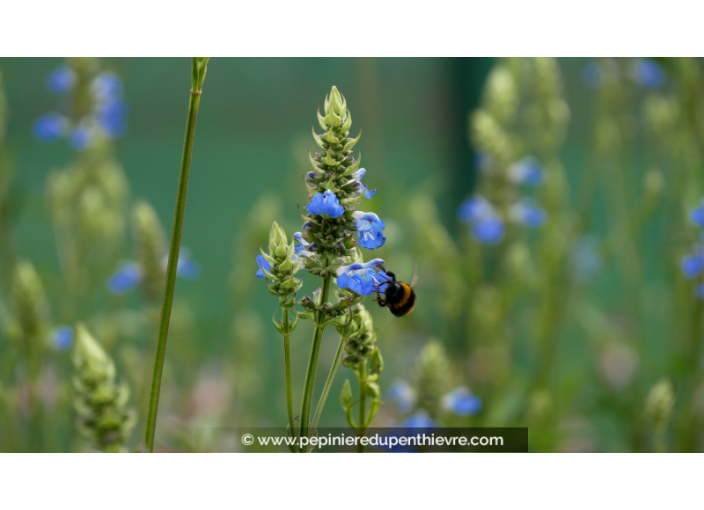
108	111
264	267
61	338
526	212
326	204
357	181
693	265
403	395
526	171
697	215
461	401
648	73
360	278
370	227
420	420
130	274
50	127
489	229
474	208
126	278
61	80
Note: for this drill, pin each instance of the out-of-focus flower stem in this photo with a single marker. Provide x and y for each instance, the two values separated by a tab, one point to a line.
199	67
320	317
329	381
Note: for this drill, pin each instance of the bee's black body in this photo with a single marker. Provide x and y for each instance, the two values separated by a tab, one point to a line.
399	297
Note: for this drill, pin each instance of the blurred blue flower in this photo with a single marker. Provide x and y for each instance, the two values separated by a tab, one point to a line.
50	126
61	337
648	73
697	215
111	117
126	278
403	395
325	203
525	211
461	401
80	137
474	208
263	266
489	229
419	420
693	265
526	171
186	268
61	80
106	86
370	227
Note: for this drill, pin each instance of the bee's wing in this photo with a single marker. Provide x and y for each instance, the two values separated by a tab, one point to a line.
414	280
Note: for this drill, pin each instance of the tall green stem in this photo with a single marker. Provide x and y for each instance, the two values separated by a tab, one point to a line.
362	403
198	70
287	362
329	381
320	317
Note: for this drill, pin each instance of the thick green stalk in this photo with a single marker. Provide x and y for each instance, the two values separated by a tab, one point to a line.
173	254
362	403
287	362
329	381
320	317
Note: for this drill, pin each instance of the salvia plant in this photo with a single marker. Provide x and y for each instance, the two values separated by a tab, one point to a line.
330	247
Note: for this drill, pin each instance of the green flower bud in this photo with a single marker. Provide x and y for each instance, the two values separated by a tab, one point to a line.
660	402
346	396
29	305
278	242
151	248
433	372
100	403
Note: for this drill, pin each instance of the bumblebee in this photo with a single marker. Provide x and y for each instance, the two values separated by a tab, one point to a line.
399	297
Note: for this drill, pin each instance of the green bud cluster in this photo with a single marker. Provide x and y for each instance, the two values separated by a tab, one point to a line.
281	281
30	309
333	167
100	403
432	371
150	248
360	337
660	403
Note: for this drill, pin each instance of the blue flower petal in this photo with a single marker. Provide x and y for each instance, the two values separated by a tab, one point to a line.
127	278
419	420
403	395
461	401
61	337
187	269
474	208
50	127
649	74
80	138
489	230
327	204
692	265
61	80
697	215
263	264
527	213
369	227
111	117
